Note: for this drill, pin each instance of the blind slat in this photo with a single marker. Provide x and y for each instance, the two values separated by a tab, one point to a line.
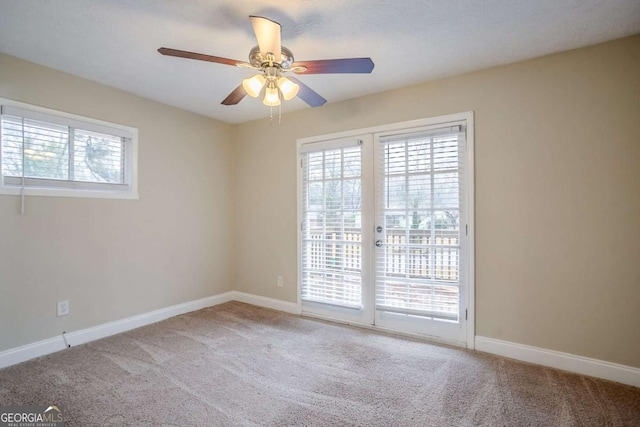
62	120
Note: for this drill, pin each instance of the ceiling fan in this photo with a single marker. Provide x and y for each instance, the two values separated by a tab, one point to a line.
272	61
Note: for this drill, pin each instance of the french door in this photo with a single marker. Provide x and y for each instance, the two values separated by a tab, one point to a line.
384	236
336	254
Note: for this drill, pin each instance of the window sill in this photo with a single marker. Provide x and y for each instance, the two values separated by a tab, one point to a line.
61	192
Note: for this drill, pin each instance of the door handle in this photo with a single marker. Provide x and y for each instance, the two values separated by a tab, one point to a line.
379	243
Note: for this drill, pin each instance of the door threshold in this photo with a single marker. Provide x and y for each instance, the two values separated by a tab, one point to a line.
421	337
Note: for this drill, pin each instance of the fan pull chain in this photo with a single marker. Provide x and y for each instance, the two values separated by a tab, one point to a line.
279	115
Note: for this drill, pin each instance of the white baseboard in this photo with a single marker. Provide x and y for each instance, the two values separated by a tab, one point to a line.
51	345
119	326
559	360
555	359
30	351
274	304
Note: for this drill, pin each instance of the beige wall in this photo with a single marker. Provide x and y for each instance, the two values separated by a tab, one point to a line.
116	258
557	194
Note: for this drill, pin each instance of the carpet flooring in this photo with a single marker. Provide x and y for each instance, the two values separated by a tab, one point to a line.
241	365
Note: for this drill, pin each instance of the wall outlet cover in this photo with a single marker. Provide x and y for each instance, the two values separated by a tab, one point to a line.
63	308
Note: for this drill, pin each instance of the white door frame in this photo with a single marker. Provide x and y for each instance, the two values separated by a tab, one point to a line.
469	195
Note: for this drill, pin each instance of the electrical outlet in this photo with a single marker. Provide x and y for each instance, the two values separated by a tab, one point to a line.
280	282
63	308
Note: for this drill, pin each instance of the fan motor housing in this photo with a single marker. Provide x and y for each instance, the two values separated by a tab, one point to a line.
257	60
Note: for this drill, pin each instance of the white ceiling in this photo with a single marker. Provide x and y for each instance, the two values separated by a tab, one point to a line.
115	42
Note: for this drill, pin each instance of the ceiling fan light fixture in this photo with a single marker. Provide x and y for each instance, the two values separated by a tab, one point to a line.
288	88
271	60
253	85
271	96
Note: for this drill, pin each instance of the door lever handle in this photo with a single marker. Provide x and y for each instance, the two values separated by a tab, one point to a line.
379	243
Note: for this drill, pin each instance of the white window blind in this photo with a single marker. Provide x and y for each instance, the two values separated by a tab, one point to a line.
418	262
48	151
332	224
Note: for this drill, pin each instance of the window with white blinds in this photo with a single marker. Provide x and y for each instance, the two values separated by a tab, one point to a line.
418	261
49	153
332	226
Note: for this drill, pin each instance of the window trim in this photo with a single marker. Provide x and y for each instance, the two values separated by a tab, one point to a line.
75	188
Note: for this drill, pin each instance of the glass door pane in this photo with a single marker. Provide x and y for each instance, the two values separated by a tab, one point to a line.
332	227
333	257
418	233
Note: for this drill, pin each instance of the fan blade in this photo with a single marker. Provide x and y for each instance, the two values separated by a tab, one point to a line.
268	34
327	66
307	94
199	56
234	97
